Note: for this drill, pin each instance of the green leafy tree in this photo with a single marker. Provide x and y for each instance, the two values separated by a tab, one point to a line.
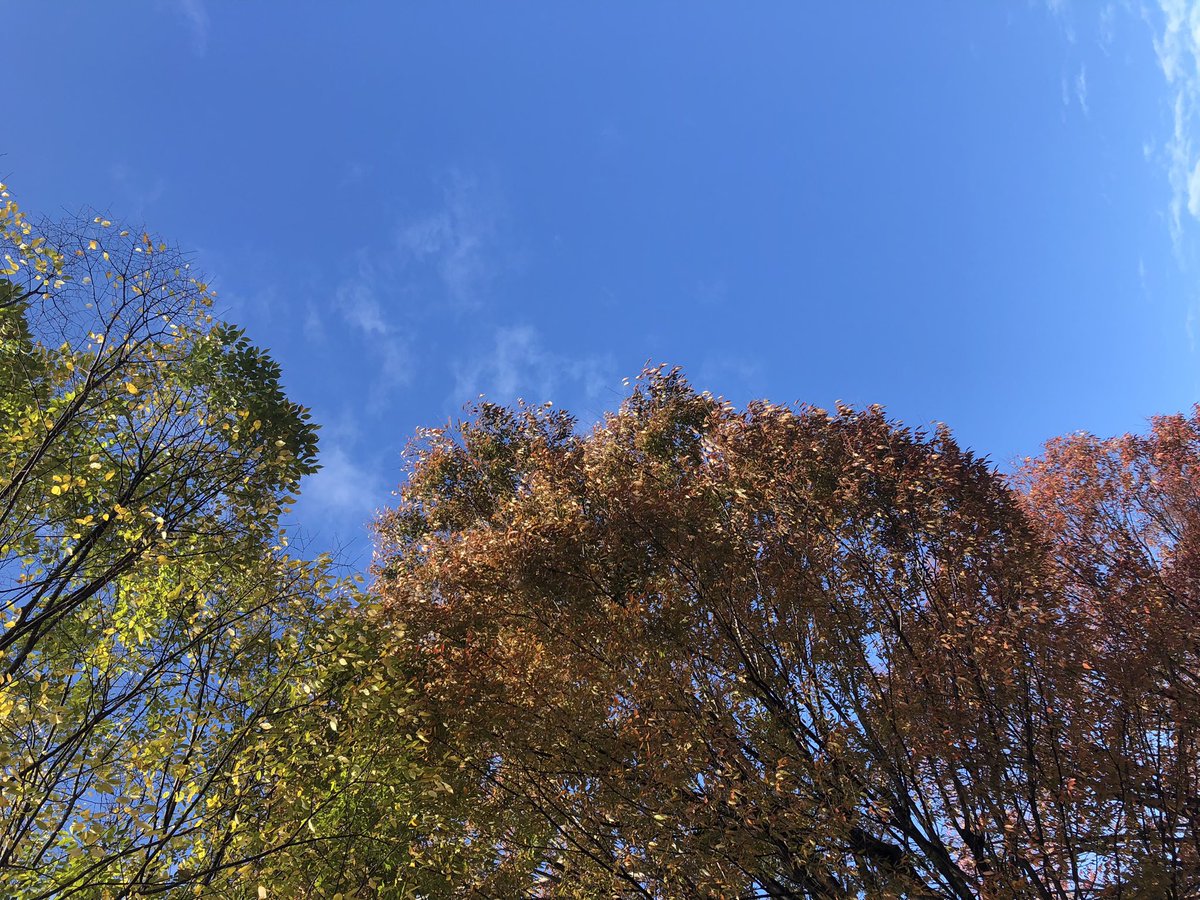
151	620
360	804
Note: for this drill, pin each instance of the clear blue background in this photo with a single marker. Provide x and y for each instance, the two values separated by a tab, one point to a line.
977	213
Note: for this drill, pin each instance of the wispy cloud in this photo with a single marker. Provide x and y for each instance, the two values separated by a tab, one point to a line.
431	275
340	500
714	292
520	366
359	304
1175	28
314	325
1107	31
1178	49
738	378
195	14
434	267
1061	10
343	487
458	240
357	300
247	302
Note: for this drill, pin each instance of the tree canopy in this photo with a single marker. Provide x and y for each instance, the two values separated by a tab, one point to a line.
153	626
791	652
691	651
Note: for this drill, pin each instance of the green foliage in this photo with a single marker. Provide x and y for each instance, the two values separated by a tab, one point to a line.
354	808
153	627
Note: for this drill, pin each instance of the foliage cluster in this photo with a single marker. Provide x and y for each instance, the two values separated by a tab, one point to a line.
164	660
694	651
778	652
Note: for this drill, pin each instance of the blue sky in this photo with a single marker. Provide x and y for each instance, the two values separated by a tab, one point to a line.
980	213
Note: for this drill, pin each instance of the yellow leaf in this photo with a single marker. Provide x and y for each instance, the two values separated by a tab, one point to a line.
262	893
92	245
131	387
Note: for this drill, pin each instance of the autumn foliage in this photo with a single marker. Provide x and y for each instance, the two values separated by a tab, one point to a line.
1121	518
787	652
692	652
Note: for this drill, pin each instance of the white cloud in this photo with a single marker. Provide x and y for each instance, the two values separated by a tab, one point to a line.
1061	10
1171	46
1194	191
1175	28
359	305
314	325
196	15
362	307
519	366
343	488
396	368
339	502
437	265
1178	51
1107	29
458	241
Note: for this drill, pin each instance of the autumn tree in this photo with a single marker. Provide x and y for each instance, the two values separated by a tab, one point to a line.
152	623
1122	519
773	652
